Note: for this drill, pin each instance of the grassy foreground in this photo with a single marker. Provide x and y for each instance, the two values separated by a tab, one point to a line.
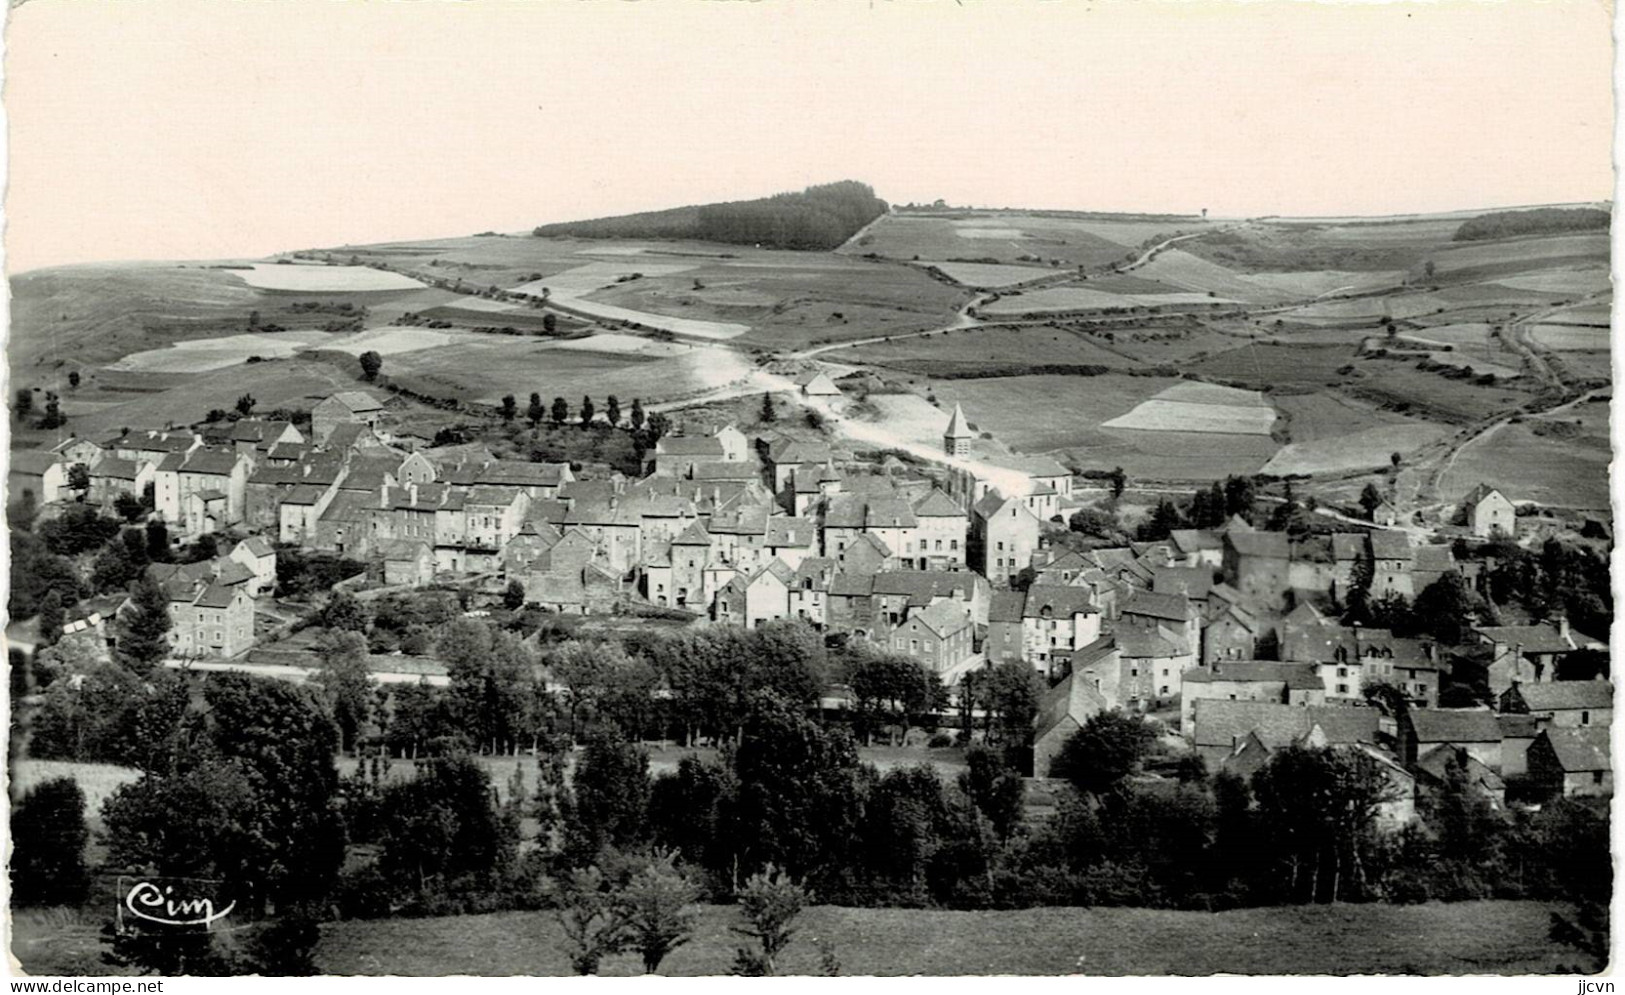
1464	938
1460	938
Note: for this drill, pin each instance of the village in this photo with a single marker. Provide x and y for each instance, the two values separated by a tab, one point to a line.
1232	637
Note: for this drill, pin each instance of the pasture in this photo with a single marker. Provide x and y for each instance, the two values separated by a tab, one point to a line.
1363	449
1435	938
1190	272
1570	338
1526	466
202	355
1036	414
1269	365
97	781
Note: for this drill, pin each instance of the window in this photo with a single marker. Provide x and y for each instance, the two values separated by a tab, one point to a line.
1135	672
1596	777
1342	671
1001	547
1163	690
914	645
939	546
1585	718
1421	688
1342	689
953	544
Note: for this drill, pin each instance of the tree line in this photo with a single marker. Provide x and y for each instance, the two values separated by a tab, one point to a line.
817	218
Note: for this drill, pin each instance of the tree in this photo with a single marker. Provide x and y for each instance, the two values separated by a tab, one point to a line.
129	507
25	402
48	837
637	414
586	412
1165	518
371	363
73	379
1371	500
1446	608
994	787
1109	748
513	598
770	903
594	922
346	683
561	411
535	412
769	413
659	425
50	618
442	832
54	418
1317	808
1394	458
612	411
1119	481
611	800
550	322
245	404
510	407
157	541
345	612
657	906
145	641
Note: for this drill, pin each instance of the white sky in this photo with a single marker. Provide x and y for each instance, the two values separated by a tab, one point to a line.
198	129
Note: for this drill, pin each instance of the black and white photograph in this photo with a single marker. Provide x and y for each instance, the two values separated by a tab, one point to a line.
787	489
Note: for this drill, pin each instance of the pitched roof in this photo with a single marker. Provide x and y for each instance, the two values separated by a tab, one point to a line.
1073	698
938	505
1387	545
33	462
889	513
1173	607
851	585
1454	725
1272	545
398	550
1294	676
819	570
1481	492
1006	606
257	545
357	400
1188	582
1433	559
1582	749
921	586
1194	540
1061	601
1436	763
799	533
1516	726
1221	722
1559	695
943	617
1543	638
689	445
1155	643
694	535
216	595
1348	545
114	468
218	462
958	427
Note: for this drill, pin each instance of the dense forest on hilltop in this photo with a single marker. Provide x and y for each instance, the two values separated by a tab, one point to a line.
1540	221
819	217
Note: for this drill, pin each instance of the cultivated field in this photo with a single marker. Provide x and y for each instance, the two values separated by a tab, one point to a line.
322	279
1064	299
1017	237
985	275
202	355
970	349
1038	414
484	368
1203	408
1570	338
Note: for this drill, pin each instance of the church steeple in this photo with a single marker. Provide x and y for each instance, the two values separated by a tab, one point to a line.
956	440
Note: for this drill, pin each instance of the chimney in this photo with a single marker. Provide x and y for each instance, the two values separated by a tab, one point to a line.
1563	627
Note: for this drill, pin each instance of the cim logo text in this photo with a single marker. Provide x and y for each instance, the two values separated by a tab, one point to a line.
161	904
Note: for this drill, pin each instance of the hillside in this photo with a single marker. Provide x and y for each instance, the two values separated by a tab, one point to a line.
819	217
